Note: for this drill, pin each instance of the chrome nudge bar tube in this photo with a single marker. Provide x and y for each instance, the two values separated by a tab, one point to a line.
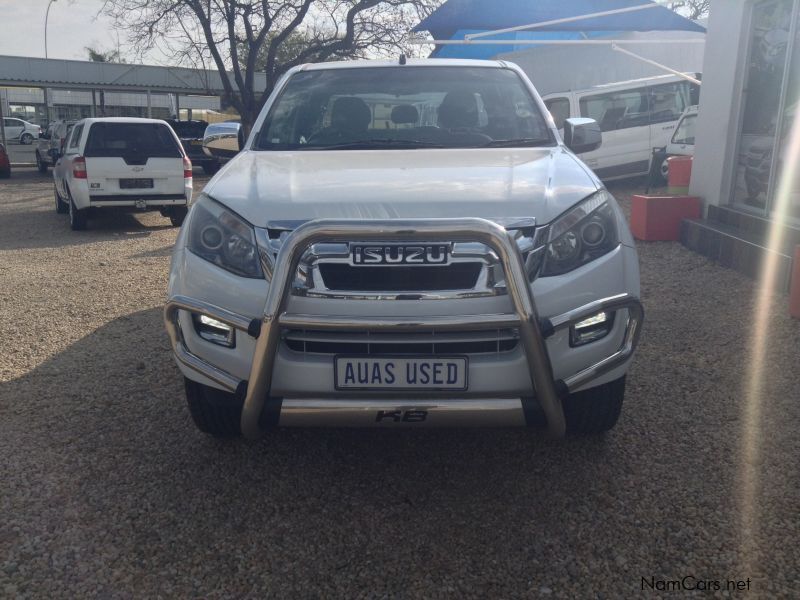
431	230
267	328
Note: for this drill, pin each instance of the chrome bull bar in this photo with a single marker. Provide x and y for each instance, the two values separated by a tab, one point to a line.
267	329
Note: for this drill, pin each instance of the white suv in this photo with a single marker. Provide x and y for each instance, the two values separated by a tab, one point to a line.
408	244
122	163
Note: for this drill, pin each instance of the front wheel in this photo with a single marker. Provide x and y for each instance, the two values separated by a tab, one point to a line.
594	410
214	411
26	138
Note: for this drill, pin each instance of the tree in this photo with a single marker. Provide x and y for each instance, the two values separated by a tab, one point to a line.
106	56
241	37
691	9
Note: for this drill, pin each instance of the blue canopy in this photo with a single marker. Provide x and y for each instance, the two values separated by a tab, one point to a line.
489	15
483	51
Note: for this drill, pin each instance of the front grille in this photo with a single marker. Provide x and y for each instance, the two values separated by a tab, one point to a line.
457	276
445	343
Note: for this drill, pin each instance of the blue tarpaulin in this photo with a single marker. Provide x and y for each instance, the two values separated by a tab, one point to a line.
456	17
488	50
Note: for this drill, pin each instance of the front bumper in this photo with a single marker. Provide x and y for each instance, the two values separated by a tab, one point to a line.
262	408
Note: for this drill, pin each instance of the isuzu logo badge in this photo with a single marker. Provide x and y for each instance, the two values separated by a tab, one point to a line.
399	254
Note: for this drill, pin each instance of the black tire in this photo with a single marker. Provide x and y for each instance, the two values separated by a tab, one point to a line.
25	139
213	411
210	168
40	164
62	207
77	218
177	214
595	410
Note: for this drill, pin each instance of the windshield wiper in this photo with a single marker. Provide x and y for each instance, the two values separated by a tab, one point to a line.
519	142
374	143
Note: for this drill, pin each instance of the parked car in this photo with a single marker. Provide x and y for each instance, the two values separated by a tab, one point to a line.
51	144
5	163
22	131
634	116
191	134
122	163
405	244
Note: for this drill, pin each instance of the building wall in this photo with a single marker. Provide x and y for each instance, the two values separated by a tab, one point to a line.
720	101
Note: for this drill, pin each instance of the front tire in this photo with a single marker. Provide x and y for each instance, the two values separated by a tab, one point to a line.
214	411
26	138
40	164
77	218
595	410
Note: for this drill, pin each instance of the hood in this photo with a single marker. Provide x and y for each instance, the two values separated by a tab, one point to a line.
387	184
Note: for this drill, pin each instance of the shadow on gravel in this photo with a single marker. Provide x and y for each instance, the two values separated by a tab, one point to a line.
44	228
110	412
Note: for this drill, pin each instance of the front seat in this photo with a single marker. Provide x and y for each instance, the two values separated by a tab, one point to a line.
458	110
350	115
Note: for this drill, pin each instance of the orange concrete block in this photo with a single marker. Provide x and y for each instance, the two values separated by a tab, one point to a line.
794	291
658	218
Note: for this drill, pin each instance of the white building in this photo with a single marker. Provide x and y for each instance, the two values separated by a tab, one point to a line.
745	168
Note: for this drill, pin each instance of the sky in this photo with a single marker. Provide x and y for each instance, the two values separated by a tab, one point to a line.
72	25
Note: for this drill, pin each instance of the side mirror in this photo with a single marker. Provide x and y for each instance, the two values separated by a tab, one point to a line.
223	140
582	135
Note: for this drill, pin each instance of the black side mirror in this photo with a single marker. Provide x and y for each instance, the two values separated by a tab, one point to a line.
582	135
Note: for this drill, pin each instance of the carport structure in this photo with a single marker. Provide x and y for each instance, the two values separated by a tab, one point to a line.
49	74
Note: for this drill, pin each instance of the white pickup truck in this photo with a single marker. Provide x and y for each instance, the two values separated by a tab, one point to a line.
405	244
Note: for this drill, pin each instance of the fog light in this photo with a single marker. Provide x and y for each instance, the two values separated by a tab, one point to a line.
214	331
591	329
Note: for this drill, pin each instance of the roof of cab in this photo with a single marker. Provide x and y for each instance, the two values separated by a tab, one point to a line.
91	120
411	62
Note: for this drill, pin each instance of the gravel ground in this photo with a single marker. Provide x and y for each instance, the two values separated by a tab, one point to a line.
107	489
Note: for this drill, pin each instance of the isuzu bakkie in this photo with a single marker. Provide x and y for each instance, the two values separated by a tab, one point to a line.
405	243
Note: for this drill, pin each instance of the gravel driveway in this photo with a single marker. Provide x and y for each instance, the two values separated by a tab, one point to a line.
107	489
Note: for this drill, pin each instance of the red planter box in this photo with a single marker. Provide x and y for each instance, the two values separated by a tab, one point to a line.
658	218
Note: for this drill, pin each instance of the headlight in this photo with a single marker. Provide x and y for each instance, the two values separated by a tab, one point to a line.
223	238
581	235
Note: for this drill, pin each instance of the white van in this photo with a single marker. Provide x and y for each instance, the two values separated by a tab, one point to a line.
634	116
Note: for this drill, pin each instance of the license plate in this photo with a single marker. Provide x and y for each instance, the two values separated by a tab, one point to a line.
400	373
135	184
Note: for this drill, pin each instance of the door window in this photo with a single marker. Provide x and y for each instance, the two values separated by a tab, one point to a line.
76	137
617	110
668	101
685	132
559	109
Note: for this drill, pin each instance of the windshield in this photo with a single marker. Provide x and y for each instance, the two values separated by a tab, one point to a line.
403	107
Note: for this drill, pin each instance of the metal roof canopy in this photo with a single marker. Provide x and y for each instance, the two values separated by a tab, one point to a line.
498	16
569	23
79	74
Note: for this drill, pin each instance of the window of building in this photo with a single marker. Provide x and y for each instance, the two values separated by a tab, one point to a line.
769	39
